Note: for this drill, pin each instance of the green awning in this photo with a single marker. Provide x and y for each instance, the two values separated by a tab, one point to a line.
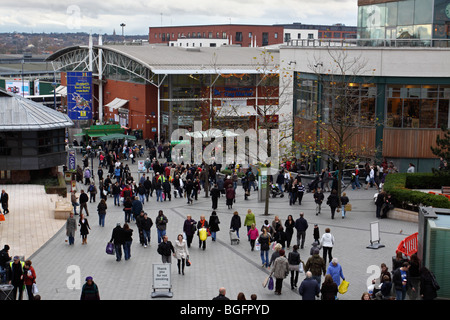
117	136
96	135
79	134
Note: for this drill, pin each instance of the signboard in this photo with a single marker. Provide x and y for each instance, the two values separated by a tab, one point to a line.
141	167
162	280
17	87
71	160
374	236
79	95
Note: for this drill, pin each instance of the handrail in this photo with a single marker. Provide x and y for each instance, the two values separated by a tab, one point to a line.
349	42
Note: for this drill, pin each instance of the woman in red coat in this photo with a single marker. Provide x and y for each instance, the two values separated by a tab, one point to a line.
29	278
230	194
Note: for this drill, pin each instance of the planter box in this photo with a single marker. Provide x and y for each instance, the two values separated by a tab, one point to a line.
404	215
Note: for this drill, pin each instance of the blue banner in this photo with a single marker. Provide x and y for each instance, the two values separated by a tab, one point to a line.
79	95
72	160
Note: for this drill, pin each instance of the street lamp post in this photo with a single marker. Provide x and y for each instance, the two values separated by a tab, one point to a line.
123	26
54	84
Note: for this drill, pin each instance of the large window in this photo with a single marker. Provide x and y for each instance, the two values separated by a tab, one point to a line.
408	19
416	106
31	143
360	100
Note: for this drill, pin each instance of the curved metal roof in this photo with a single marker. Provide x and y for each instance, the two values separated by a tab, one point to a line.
20	114
189	60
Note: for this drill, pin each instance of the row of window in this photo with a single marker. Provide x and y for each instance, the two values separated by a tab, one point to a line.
406	106
238	37
31	143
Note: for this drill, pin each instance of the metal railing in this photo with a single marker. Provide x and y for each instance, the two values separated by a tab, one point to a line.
393	43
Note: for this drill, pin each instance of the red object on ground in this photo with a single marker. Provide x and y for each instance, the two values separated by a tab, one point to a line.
408	246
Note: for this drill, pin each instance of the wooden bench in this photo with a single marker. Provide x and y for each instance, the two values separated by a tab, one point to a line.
445	190
62	209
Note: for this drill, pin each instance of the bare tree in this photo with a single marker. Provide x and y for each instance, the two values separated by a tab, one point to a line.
342	115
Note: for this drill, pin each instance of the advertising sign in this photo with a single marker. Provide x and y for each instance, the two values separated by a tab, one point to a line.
72	160
79	95
17	87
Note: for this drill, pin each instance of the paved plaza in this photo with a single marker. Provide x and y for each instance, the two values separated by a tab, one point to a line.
30	231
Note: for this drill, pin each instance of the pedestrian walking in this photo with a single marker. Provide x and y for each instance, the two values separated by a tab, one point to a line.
401	281
344	201
329	289
309	288
327	243
71	228
92	189
189	228
136	207
280	271
29	275
101	209
90	290
289	225
73	199
84	228
166	249
249	220
161	225
264	241
4	198
294	263
128	240
202	234
235	223
316	265
253	236
428	284
145	226
83	202
222	295
230	194
333	202
214	225
118	239
16	277
335	271
128	209
318	199
215	195
181	253
4	259
301	225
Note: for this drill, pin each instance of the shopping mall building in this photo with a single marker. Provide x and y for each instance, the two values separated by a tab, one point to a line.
402	83
398	70
159	88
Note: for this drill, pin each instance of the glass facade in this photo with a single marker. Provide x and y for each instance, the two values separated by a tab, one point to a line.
360	98
415	21
406	105
189	98
417	106
31	143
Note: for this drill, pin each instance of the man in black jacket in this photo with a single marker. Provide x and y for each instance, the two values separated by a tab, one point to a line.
164	249
318	199
301	225
401	281
4	258
16	276
83	202
4	200
118	239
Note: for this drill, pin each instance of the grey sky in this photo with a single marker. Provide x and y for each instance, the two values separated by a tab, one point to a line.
104	16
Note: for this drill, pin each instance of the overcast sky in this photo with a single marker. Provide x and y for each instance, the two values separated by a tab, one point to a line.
106	15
